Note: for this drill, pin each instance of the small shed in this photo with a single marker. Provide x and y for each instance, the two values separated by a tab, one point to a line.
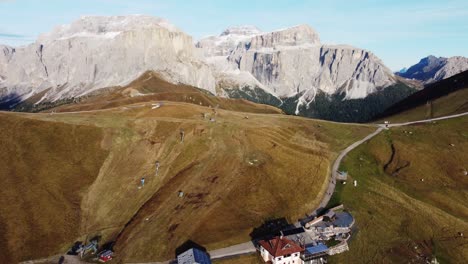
193	255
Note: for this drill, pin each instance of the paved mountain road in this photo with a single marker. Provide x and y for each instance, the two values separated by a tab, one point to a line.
248	247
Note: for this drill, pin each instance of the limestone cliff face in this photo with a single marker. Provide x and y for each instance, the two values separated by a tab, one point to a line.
5	56
97	52
294	36
225	43
293	61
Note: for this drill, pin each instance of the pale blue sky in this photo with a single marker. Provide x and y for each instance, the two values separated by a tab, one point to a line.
400	32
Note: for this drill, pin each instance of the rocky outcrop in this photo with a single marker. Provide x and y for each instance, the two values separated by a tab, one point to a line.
293	61
290	37
225	43
96	52
5	56
292	69
432	69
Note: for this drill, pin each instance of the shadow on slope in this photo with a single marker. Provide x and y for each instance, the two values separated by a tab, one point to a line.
337	108
9	101
430	95
150	87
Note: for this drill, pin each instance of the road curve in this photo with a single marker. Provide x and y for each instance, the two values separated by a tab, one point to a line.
336	166
380	127
240	249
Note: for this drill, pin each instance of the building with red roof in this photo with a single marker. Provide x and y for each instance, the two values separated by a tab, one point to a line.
280	250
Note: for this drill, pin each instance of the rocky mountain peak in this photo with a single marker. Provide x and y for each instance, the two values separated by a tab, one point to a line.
432	68
106	26
227	41
246	30
293	36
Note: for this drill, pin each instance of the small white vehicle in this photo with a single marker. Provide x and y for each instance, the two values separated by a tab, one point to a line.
156	105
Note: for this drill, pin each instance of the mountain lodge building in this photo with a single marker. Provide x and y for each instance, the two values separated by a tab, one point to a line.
280	250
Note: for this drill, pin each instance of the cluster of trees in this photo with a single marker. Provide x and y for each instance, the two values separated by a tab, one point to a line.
256	95
34	108
334	107
330	107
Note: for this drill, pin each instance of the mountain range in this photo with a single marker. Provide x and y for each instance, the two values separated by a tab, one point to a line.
431	69
289	68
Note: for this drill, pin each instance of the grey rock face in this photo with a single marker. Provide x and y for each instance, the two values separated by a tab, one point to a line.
295	36
432	69
293	61
97	52
225	43
5	56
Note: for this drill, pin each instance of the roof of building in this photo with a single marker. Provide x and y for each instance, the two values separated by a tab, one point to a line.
280	246
343	219
329	214
193	255
319	248
293	231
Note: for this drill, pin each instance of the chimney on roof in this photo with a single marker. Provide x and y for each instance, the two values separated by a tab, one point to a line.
281	235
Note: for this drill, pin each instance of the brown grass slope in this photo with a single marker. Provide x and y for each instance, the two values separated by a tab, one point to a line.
44	170
151	88
411	202
412	196
235	173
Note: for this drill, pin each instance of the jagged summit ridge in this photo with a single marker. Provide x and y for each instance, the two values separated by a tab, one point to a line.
246	30
293	36
227	41
431	68
106	26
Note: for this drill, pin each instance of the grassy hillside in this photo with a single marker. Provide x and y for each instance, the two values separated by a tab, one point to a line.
45	168
411	202
446	97
149	87
412	196
234	173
